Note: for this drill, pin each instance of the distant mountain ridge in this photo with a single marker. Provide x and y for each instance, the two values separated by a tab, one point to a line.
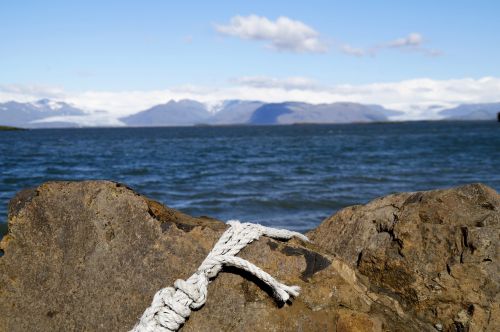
47	113
485	111
293	112
29	115
174	113
235	112
188	112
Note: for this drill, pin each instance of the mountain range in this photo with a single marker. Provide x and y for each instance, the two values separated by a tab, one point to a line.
188	112
46	113
472	112
39	114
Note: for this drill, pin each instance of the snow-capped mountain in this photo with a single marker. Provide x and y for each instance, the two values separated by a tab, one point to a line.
47	113
188	112
30	115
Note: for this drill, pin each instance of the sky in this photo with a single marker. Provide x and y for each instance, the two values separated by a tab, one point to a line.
124	56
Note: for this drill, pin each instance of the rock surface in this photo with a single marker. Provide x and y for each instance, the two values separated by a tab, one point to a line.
90	256
436	252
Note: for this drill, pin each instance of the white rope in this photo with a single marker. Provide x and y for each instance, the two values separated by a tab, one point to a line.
171	306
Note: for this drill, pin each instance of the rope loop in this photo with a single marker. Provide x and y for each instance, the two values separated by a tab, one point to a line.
171	306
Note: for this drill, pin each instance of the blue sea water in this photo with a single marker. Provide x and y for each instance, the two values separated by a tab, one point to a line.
284	176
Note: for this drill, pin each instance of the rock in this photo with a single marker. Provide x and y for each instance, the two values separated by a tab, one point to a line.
435	252
90	256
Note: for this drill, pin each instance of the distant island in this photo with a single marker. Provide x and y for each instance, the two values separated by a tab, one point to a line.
46	113
9	128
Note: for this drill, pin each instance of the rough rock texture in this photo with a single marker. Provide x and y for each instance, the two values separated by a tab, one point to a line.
88	256
436	252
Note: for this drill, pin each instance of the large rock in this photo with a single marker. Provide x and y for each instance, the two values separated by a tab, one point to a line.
90	256
436	252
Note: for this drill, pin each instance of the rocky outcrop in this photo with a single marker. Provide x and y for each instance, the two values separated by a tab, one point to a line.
436	252
90	255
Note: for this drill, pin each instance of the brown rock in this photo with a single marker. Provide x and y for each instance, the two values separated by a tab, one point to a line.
434	252
90	256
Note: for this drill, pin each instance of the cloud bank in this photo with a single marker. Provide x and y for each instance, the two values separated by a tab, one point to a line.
284	34
419	98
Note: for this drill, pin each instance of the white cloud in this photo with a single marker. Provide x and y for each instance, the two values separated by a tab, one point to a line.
413	42
350	50
420	98
289	83
30	91
284	34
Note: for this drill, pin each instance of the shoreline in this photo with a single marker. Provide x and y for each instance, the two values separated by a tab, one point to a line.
10	128
244	125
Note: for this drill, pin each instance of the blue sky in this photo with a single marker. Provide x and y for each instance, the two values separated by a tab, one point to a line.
116	46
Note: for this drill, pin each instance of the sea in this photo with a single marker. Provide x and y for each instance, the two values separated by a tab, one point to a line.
291	176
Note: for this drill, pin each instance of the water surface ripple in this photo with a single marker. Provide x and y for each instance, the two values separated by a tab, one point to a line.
284	176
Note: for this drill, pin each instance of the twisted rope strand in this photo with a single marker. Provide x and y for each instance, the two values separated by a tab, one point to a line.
171	306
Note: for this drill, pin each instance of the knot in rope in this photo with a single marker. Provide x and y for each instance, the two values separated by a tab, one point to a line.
171	306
